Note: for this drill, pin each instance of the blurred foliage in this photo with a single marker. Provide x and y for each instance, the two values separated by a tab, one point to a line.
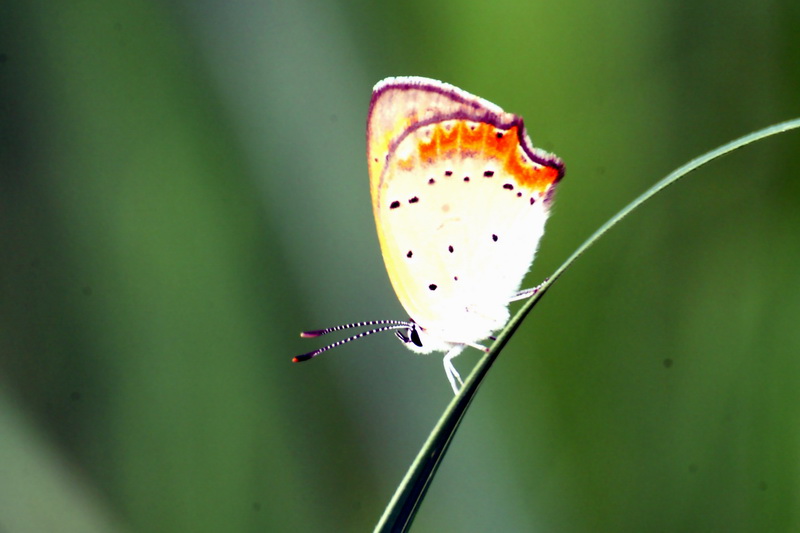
183	189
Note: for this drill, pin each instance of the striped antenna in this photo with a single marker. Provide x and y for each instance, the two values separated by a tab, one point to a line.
386	325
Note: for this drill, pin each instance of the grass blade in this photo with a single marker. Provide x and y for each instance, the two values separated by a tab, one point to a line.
402	508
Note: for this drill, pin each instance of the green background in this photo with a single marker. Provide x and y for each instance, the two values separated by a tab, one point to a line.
184	189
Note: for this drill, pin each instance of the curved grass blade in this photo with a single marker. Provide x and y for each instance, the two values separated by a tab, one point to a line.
405	503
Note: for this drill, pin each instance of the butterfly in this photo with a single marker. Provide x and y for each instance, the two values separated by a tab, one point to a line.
460	197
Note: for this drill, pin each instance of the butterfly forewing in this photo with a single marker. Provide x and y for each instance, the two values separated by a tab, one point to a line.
460	200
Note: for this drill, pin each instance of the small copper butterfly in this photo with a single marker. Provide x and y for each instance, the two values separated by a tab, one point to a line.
460	198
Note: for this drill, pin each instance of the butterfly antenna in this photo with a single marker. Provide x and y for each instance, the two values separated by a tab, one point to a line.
387	325
319	332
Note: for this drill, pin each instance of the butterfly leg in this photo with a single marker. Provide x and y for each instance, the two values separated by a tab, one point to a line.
527	293
450	371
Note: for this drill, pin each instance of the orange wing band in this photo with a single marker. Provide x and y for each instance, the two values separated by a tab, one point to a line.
469	138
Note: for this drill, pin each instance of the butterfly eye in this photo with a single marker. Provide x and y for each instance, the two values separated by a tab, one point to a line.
415	335
409	335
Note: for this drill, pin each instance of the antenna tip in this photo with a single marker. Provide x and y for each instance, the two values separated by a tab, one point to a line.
311	334
301	358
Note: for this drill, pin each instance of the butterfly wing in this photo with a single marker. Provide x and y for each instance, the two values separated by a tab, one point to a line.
460	198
